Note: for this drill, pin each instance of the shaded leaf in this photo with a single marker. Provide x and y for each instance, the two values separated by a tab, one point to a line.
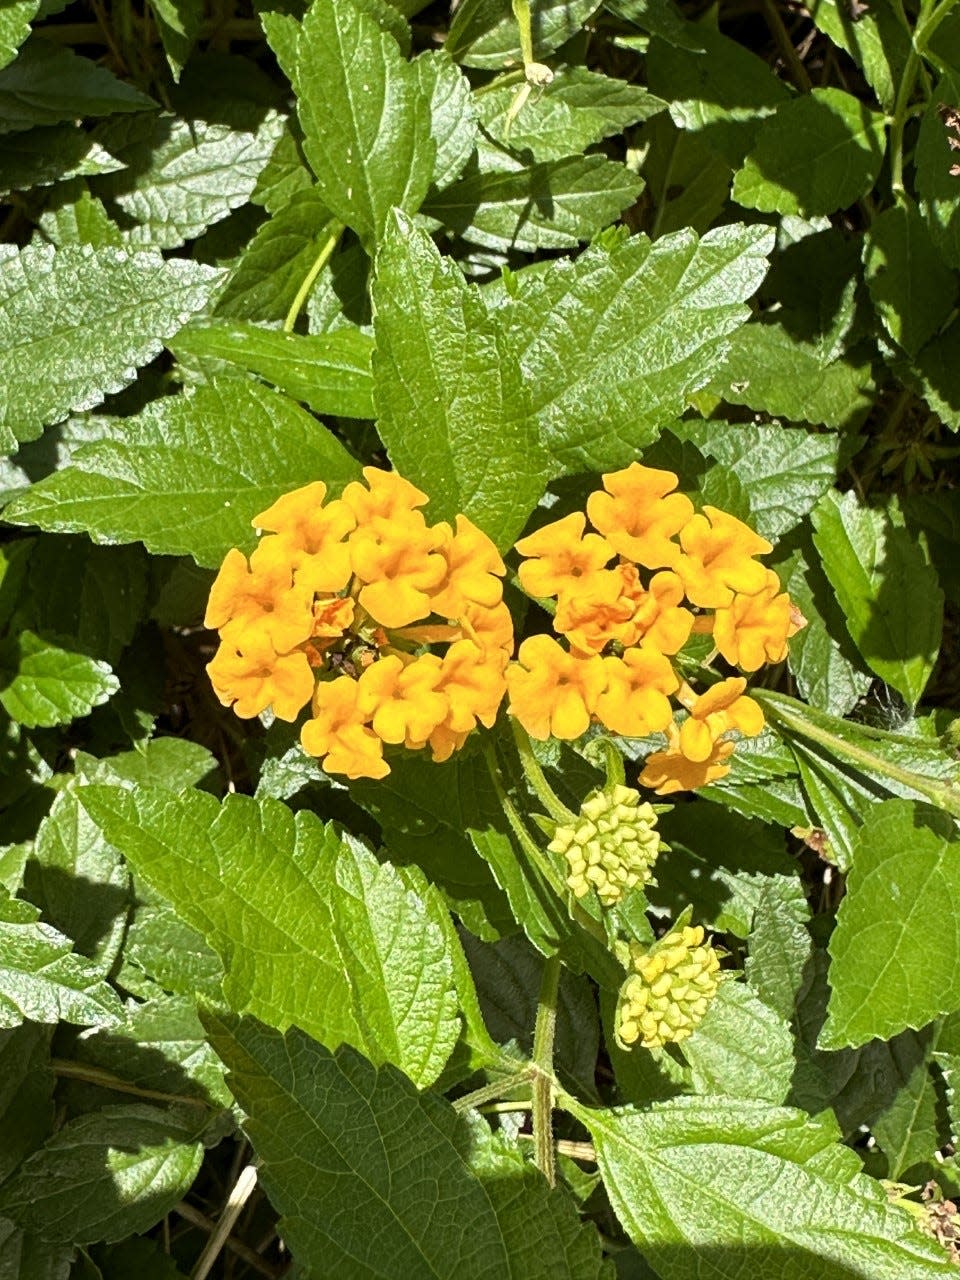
49	82
886	586
104	1175
819	153
910	284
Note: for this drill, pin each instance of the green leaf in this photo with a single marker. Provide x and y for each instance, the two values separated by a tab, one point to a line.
15	19
819	153
350	77
425	811
282	900
613	343
159	1045
26	1095
828	671
181	176
139	1256
42	980
270	271
54	360
95	595
453	118
718	90
24	1257
79	881
785	472
42	685
770	370
876	39
331	1130
165	949
546	206
104	1175
575	110
286	172
48	83
895	960
707	1186
84	221
483	33
178	25
452	407
779	944
688	183
908	1130
742	1048
188	474
886	587
176	763
936	184
329	372
48	154
911	285
938	368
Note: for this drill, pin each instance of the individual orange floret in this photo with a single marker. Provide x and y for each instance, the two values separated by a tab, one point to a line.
311	535
385	494
635	701
261	597
474	570
658	620
753	630
400	566
639	514
668	771
717	560
553	692
401	699
254	677
713	714
598	610
560	556
338	732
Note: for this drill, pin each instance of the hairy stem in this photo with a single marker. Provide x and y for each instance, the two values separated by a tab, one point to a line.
543	1082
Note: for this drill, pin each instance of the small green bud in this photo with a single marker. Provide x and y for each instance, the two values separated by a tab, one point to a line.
613	845
669	989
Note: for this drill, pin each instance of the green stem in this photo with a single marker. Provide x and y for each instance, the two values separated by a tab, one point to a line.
942	794
310	279
798	72
524	839
537	778
543	1081
535	854
521	11
106	1080
496	1089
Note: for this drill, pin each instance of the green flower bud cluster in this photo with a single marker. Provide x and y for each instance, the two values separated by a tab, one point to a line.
669	990
612	847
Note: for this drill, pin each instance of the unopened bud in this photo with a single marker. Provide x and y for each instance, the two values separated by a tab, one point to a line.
613	845
669	989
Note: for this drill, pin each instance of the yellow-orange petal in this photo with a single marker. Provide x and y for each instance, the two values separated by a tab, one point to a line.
552	691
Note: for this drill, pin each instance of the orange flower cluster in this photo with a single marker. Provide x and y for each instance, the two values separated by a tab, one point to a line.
674	572
339	607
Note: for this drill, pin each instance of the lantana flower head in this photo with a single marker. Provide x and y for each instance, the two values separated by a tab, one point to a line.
628	595
669	989
393	630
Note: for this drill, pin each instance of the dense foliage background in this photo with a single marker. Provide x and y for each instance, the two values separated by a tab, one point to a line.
504	250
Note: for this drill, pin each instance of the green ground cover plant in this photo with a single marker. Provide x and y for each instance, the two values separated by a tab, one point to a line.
479	773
